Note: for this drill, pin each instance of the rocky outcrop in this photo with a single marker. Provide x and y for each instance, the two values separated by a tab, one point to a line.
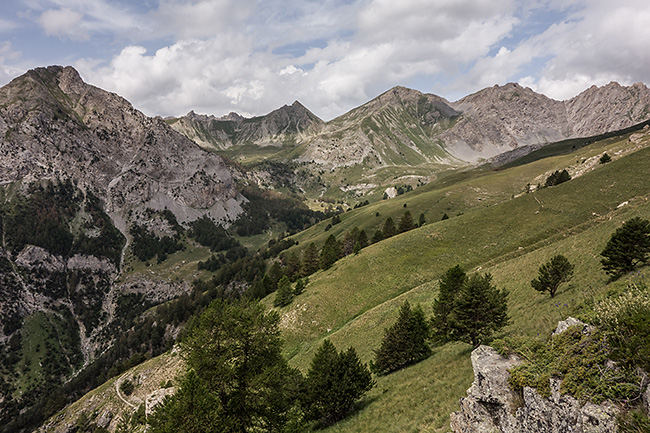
492	406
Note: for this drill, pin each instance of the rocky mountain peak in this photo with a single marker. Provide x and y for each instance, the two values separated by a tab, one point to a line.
54	125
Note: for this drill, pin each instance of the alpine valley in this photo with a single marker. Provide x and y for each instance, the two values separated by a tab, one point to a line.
119	229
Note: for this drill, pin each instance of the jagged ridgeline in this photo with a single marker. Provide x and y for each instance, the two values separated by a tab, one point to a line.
405	137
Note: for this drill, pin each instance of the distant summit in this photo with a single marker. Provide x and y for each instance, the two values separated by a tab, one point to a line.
284	125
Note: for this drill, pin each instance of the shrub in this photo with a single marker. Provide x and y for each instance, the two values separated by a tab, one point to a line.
557	177
127	387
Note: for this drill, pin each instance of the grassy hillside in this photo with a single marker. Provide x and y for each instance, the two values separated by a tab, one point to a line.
355	300
493	227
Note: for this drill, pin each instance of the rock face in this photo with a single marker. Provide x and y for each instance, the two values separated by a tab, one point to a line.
492	406
53	125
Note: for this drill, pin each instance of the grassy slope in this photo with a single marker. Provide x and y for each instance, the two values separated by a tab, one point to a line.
353	302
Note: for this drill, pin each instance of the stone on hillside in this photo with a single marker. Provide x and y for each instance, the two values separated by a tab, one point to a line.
492	406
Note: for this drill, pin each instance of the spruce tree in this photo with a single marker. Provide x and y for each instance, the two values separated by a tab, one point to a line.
480	309
627	248
389	229
405	223
310	260
300	286
334	382
450	285
284	294
362	239
330	252
378	236
422	220
405	342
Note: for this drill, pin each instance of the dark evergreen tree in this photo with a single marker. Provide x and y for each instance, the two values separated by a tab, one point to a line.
422	220
627	248
284	294
556	271
450	285
605	158
362	239
330	252
274	273
300	285
378	236
389	228
349	240
557	177
310	260
444	217
237	379
405	223
405	342
292	266
480	309
334	382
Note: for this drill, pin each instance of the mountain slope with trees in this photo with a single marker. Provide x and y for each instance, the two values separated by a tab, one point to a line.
508	233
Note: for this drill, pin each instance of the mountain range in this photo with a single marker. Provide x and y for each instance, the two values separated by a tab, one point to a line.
404	126
86	179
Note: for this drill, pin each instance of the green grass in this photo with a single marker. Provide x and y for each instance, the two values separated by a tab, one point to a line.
355	300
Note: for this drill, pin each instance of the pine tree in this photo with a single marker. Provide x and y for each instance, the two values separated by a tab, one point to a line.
334	382
310	260
300	285
405	342
422	220
330	252
405	223
378	236
389	229
627	248
450	285
362	239
480	310
349	240
284	294
293	266
556	271
237	380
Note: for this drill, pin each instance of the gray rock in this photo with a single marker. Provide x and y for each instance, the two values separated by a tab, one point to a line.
105	419
570	322
492	406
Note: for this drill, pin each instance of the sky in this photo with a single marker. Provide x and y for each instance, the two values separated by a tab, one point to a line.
168	57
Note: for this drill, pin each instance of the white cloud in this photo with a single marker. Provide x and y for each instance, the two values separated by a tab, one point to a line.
596	42
63	22
252	57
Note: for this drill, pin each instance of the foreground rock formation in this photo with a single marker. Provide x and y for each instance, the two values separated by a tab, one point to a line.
492	406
